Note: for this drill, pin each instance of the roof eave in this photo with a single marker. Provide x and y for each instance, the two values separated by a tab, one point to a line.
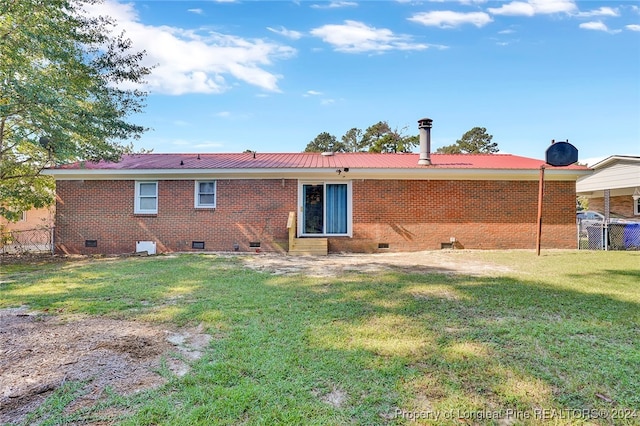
430	173
614	158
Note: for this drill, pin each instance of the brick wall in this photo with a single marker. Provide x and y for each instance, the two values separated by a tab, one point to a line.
421	215
247	211
622	205
407	215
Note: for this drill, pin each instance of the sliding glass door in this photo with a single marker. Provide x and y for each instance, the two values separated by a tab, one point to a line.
325	208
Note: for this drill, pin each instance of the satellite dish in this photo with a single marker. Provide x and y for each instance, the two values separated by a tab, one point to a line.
561	154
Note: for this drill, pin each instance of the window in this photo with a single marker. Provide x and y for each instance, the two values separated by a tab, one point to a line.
23	216
205	194
146	201
636	205
326	208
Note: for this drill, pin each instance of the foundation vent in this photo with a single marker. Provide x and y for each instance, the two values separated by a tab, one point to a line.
148	246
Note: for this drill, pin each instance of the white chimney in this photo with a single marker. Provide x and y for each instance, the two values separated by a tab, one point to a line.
424	125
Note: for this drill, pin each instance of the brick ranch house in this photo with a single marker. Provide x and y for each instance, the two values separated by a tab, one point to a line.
348	202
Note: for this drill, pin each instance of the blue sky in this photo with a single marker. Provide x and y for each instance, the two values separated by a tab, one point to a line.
271	75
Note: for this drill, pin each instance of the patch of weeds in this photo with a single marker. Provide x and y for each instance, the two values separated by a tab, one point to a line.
53	408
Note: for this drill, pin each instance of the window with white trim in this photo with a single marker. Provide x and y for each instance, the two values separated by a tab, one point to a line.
146	201
636	205
205	196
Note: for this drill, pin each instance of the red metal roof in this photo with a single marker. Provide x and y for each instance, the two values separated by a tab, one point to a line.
356	160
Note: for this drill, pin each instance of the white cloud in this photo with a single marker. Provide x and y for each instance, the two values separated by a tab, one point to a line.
553	6
603	11
208	145
633	27
598	26
516	8
534	7
196	11
590	161
294	35
357	37
334	5
450	19
231	116
312	93
594	25
188	62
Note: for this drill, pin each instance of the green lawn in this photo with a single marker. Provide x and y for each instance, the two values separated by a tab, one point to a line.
559	335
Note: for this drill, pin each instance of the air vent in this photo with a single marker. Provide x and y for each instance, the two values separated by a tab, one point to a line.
91	243
383	245
254	244
197	245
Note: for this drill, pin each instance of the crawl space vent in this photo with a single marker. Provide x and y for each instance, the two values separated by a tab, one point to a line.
91	243
197	245
254	244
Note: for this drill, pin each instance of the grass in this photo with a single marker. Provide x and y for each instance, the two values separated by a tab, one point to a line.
556	336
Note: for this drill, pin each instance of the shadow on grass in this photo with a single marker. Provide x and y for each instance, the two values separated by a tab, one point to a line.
632	275
390	343
554	346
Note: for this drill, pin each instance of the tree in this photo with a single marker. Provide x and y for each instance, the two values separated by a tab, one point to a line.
325	142
66	92
582	202
380	137
353	140
475	141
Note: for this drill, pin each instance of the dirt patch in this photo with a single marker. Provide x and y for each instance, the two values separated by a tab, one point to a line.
336	397
444	262
39	353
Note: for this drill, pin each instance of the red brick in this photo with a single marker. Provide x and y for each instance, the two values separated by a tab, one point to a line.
408	215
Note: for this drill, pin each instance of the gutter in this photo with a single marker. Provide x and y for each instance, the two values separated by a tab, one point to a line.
560	174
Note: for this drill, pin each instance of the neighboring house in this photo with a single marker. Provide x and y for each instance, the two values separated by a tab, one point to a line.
620	175
32	219
31	233
349	202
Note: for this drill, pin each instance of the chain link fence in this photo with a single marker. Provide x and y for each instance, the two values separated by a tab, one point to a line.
27	241
612	236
